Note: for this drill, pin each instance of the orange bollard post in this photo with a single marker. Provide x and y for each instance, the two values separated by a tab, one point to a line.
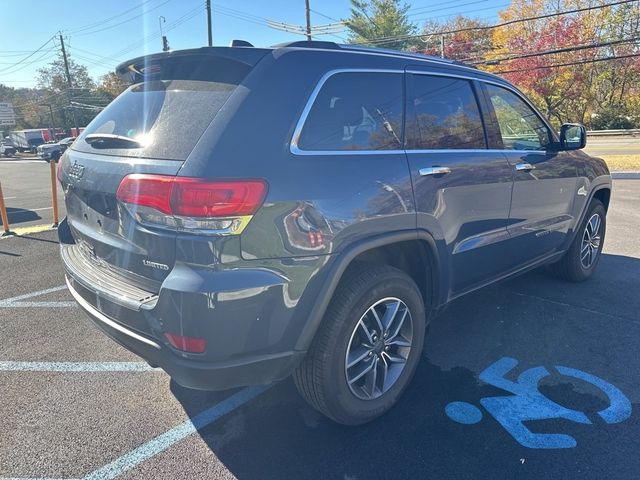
3	215
54	192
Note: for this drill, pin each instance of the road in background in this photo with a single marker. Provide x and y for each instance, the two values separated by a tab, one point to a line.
622	145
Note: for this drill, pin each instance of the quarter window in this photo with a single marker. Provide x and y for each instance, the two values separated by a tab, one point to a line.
446	114
520	127
355	111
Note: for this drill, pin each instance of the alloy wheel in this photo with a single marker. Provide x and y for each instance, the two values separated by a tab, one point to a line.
379	348
591	238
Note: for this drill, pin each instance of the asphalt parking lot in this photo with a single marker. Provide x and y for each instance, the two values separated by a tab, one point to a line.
26	184
76	405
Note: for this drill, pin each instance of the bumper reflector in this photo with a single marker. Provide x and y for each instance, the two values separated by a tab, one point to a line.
186	344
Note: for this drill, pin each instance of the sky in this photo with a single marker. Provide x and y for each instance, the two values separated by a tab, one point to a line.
102	33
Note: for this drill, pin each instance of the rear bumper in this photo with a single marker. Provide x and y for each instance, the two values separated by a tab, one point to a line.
188	372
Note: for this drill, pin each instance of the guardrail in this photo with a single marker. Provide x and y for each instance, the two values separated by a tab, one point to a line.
634	132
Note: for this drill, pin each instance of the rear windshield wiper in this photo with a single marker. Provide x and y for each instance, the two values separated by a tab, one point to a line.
109	140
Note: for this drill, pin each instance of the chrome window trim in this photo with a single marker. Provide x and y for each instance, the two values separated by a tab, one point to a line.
295	150
471	150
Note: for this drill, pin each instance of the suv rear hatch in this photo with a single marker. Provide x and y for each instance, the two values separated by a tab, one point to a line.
149	130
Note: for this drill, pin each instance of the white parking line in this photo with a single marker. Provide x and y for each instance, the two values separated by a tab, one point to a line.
16	302
39	478
38	304
162	442
67	367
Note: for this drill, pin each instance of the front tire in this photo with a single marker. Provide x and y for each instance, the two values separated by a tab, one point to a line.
581	260
367	348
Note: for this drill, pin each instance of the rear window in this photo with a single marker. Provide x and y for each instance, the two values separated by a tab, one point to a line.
167	117
355	111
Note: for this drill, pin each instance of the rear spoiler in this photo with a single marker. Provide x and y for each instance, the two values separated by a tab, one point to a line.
220	64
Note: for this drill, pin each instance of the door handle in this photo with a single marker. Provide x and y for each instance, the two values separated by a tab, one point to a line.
434	171
524	167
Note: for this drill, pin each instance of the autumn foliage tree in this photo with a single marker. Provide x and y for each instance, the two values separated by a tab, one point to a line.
471	39
579	67
572	84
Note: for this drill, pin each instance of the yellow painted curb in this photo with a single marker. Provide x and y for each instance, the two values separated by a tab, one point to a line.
29	230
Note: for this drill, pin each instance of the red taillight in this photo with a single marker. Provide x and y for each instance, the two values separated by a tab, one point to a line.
192	203
186	344
153	191
199	198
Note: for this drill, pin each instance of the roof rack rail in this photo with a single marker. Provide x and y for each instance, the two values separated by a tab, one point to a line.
308	44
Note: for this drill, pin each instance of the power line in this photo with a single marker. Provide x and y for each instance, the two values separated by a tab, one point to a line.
45	57
560	50
415	11
570	64
103	59
91	32
28	56
474	2
396	38
106	20
325	16
240	13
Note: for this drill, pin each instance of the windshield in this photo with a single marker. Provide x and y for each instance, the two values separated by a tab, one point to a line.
165	117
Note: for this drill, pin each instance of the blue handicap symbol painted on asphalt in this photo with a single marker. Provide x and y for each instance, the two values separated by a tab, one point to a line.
528	403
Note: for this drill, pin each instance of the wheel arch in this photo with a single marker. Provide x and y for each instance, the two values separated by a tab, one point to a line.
603	194
382	247
600	189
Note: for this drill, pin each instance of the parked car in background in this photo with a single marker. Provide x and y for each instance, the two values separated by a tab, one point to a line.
53	151
239	215
7	150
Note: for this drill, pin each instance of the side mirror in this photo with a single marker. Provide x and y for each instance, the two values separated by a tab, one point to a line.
573	136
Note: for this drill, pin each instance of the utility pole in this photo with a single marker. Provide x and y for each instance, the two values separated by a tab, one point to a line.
209	23
308	15
69	84
442	46
165	42
52	130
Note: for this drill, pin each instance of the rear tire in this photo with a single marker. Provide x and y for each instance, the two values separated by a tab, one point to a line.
369	301
581	260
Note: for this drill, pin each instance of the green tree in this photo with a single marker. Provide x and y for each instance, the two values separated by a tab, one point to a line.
53	79
379	23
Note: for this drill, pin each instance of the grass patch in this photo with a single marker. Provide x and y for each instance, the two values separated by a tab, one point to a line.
622	162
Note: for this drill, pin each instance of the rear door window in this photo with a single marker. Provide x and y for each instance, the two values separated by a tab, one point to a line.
356	111
166	117
445	114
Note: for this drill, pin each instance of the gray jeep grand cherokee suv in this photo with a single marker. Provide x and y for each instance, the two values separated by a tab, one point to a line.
241	214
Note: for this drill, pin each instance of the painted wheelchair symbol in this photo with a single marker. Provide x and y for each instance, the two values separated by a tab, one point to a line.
527	403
